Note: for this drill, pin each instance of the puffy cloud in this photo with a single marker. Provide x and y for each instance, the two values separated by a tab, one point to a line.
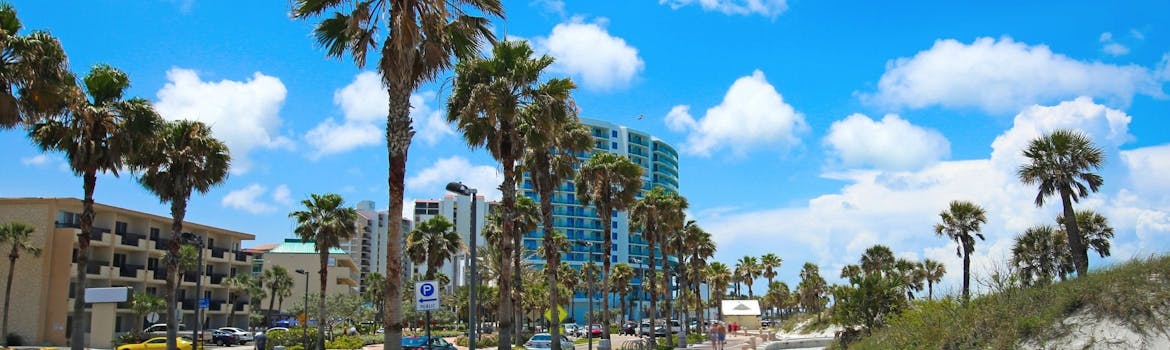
891	144
37	160
1112	47
899	208
282	195
242	114
556	7
485	179
587	51
752	114
363	104
766	8
1002	76
248	200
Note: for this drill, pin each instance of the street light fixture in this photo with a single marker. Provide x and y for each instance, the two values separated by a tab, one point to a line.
641	284
305	327
461	189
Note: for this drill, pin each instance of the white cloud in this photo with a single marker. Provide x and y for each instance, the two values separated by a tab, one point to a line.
890	144
1002	76
766	8
282	195
588	52
556	7
242	114
486	179
363	104
37	160
898	208
752	114
248	200
1112	47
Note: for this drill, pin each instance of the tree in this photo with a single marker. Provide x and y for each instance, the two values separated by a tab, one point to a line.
98	135
610	183
659	213
419	40
962	223
934	273
19	236
326	222
433	242
718	278
143	303
769	263
238	284
1094	230
778	294
700	247
868	299
1038	254
812	289
182	158
488	104
877	259
620	279
35	81
749	269
1060	164
279	283
375	293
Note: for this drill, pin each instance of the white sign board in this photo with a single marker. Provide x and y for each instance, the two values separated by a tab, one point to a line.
107	295
152	317
426	295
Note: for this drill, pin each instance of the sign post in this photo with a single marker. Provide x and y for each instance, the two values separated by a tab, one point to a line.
426	298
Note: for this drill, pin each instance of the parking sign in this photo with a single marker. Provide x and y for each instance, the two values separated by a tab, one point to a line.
426	295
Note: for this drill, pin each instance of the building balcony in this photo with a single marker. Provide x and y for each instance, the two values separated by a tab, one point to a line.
162	244
131	272
217	278
241	257
218	254
133	241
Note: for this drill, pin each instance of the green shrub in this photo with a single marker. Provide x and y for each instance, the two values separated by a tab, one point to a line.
484	341
695	338
368	339
344	342
289	338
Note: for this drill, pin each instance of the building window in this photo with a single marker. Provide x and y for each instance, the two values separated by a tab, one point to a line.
154	233
613	145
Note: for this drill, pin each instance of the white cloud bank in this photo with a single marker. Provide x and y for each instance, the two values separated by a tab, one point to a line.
898	208
250	199
586	51
1001	76
751	115
242	114
890	144
363	104
766	8
484	178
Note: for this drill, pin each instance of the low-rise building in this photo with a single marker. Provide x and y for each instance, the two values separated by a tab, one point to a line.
343	275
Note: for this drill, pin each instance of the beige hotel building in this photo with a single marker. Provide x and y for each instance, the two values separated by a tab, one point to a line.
126	250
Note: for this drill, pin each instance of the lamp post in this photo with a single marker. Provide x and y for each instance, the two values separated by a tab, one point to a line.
641	283
305	327
472	324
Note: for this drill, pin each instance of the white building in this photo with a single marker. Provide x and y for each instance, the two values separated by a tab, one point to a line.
368	247
456	209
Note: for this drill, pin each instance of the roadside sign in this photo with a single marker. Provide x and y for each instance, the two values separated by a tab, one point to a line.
560	312
426	295
302	317
152	317
204	303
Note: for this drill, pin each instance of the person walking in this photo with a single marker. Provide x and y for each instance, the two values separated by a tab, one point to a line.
260	341
722	330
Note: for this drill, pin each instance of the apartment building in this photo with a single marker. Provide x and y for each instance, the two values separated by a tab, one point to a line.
457	210
293	254
126	250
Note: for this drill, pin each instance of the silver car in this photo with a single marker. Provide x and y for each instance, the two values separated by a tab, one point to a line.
543	341
243	335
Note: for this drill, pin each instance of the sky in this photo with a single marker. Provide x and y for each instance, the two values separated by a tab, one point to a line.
808	129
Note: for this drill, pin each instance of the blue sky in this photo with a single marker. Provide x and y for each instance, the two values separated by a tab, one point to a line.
808	129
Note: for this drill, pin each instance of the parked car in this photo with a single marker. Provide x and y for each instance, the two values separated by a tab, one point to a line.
595	330
274	329
543	341
420	343
160	330
223	338
660	329
644	329
158	343
244	336
628	328
570	329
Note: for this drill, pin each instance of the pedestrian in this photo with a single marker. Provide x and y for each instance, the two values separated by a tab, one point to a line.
713	334
722	334
260	340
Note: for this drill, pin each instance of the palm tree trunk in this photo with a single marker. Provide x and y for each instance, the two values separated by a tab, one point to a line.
8	293
653	295
680	271
398	136
231	313
1079	253
552	265
178	213
507	293
966	275
271	302
518	285
324	277
607	227
929	290
77	334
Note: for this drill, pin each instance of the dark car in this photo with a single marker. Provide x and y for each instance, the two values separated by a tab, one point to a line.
222	338
420	343
628	329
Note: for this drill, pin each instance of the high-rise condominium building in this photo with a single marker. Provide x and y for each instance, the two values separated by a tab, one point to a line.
368	246
457	210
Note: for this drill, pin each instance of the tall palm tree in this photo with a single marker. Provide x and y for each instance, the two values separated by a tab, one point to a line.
35	81
143	303
1060	164
877	259
98	135
488	104
610	183
770	263
701	247
279	283
433	242
569	278
1038	253
749	269
526	218
375	293
19	236
962	223
1094	230
419	40
326	221
934	273
183	157
851	271
812	289
237	285
657	214
620	279
256	294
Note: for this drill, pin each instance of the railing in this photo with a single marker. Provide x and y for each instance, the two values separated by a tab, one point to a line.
160	274
240	306
128	270
217	278
190	276
162	244
218	252
241	256
131	239
95	267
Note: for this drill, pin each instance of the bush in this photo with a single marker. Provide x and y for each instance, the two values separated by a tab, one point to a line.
288	339
120	339
368	339
345	342
695	338
484	341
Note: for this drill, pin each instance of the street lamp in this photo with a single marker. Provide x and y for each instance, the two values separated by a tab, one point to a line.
460	188
305	327
641	284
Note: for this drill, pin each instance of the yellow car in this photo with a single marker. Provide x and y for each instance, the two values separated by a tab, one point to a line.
158	343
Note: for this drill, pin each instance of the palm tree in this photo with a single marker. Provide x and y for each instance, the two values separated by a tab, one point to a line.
326	221
419	40
526	218
934	273
1038	253
610	183
182	158
812	289
279	283
877	259
851	271
770	263
620	279
35	81
375	293
433	242
1060	165
718	277
256	295
959	223
570	280
749	268
97	136
1094	230
489	103
701	248
19	236
236	285
143	303
657	214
